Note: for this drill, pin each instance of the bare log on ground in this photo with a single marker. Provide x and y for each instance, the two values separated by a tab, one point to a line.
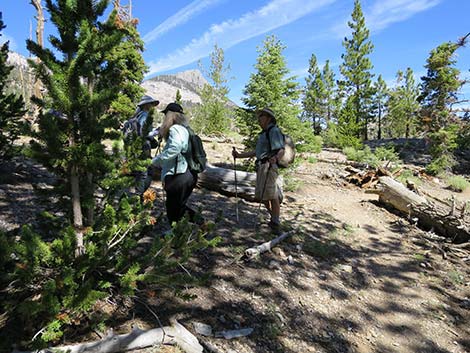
222	180
257	250
176	334
429	215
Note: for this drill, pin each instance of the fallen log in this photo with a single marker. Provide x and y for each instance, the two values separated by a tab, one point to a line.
267	246
222	180
176	334
428	214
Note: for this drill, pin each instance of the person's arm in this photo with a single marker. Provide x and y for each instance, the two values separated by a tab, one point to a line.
277	156
172	148
247	154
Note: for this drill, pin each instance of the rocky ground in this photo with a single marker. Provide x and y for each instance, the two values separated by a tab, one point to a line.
354	277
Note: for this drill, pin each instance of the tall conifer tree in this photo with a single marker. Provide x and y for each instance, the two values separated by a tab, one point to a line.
212	116
357	77
269	87
11	106
331	101
403	105
314	99
380	103
91	83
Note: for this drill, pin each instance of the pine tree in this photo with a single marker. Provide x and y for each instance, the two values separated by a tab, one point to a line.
331	101
440	86
178	97
439	92
212	116
356	70
380	100
11	106
314	100
90	86
403	105
269	87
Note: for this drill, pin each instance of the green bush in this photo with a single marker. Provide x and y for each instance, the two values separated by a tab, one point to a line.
458	183
49	287
441	164
334	136
374	159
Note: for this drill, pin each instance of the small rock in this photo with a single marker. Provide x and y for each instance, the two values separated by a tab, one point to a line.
290	260
322	276
274	265
346	268
202	329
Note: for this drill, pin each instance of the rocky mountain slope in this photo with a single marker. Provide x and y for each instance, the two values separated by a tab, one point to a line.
189	83
162	87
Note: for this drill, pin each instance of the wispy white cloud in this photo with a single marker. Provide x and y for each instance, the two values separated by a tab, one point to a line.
12	46
275	14
383	13
179	18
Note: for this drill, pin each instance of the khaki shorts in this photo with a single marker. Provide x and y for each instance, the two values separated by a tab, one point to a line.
268	183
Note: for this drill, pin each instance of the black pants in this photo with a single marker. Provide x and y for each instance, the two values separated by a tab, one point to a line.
178	188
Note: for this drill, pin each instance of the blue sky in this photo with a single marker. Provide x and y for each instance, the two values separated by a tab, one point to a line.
179	33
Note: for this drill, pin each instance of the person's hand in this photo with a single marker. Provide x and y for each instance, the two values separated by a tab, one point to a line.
154	132
235	154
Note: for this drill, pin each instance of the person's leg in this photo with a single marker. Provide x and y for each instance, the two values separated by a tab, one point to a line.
178	189
276	210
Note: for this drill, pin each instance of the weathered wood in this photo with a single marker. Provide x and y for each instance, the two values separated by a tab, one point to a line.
222	180
429	215
267	246
176	334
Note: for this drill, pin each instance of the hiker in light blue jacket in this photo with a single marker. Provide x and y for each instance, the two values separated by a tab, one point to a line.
178	181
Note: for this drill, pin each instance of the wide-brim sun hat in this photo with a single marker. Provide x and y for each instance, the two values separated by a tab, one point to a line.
173	107
265	111
148	100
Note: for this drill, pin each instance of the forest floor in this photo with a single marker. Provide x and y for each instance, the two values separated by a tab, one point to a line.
353	277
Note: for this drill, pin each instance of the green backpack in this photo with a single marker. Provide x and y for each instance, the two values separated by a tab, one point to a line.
195	155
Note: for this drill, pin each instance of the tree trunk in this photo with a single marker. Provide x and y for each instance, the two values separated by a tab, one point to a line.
77	210
222	180
176	334
40	23
379	133
443	220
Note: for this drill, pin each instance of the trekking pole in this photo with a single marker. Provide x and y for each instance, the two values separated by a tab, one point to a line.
262	195
236	188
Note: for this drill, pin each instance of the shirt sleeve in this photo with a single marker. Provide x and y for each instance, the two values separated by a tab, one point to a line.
276	138
174	146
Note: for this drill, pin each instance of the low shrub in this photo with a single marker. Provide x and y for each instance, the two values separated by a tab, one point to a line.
458	183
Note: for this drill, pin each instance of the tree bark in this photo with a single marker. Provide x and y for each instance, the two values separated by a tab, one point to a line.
222	180
440	218
176	334
250	253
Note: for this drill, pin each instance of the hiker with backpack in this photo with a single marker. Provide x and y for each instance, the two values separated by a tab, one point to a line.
140	126
176	175
268	152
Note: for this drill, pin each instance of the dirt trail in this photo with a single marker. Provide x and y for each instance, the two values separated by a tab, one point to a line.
353	278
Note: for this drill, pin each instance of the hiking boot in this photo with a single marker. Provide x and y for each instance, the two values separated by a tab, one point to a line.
275	227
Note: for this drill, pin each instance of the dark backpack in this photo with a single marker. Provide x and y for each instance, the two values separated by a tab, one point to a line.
195	155
131	127
289	149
